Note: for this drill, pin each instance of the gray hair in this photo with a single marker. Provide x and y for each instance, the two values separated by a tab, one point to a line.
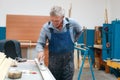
57	11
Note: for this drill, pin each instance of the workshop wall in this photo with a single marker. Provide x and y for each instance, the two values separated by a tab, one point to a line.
88	13
115	10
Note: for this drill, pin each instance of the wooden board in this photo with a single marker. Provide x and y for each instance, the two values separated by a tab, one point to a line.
4	66
24	27
113	64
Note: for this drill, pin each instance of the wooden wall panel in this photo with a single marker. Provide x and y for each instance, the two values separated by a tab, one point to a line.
24	27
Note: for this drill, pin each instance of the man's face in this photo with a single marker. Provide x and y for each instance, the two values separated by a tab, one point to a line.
56	20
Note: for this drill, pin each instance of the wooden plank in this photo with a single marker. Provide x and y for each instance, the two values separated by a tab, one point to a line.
2	57
24	27
113	64
4	67
118	78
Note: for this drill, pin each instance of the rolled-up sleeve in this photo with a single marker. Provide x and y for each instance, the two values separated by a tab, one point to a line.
77	29
41	40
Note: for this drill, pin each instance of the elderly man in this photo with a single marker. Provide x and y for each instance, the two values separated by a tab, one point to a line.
61	34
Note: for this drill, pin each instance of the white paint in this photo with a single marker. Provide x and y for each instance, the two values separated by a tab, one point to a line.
88	13
115	9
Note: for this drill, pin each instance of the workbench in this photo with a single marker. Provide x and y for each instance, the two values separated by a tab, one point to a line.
26	67
30	71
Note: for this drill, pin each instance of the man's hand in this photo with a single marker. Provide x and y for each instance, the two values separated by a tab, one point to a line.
40	56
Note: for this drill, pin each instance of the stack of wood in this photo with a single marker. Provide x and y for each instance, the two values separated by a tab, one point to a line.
4	65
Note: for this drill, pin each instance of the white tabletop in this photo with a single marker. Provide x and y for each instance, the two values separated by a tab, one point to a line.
29	70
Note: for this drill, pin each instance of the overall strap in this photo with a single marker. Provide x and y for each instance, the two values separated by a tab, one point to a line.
67	19
67	25
51	29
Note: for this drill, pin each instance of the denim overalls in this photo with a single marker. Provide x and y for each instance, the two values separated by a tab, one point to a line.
61	49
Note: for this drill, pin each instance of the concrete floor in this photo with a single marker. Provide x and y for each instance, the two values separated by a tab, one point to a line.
99	75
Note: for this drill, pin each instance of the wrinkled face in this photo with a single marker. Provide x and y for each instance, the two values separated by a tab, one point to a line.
56	20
